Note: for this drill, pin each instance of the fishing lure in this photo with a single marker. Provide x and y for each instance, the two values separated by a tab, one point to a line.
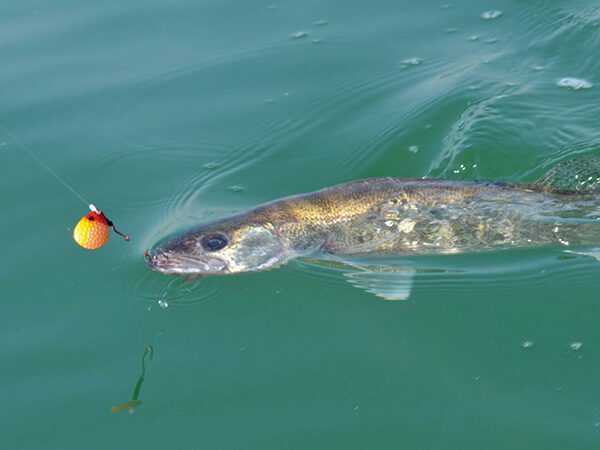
93	230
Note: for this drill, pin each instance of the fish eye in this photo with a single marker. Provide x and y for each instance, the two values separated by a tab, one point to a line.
214	242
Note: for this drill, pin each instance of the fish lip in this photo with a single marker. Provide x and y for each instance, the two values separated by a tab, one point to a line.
162	261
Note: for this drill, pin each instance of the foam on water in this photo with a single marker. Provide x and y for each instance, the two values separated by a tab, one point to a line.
574	83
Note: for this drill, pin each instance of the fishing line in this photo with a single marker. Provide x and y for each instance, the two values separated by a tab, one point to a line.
22	145
92	231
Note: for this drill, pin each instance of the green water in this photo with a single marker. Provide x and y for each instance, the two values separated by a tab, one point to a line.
165	114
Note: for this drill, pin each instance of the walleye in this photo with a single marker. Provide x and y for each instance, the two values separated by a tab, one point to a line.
395	216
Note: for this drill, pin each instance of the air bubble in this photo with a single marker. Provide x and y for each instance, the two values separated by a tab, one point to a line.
574	83
488	15
412	61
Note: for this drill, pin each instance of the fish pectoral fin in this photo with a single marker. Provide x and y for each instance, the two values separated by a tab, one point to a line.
387	282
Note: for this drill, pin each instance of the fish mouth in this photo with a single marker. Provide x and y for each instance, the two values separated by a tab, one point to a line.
173	263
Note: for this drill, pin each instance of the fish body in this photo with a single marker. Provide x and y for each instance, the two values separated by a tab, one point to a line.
383	217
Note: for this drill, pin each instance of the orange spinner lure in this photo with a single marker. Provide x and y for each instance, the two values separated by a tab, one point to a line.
93	230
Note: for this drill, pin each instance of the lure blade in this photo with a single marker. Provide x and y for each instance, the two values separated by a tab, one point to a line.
92	231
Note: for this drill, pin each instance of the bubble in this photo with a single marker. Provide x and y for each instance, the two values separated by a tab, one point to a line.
491	14
412	61
413	149
576	346
299	34
163	304
527	344
574	83
473	37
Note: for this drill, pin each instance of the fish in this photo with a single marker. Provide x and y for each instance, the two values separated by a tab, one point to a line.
382	217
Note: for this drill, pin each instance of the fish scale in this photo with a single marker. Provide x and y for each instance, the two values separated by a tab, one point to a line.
394	216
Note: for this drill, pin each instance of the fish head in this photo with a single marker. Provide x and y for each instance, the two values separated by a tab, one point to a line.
220	248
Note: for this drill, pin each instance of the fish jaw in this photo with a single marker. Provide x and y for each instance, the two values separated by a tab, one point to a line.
171	263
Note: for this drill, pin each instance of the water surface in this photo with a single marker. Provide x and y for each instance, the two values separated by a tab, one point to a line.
166	114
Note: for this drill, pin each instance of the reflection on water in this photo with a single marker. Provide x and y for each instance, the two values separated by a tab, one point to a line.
135	402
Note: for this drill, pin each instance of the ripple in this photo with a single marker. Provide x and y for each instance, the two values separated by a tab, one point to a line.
472	123
154	189
170	292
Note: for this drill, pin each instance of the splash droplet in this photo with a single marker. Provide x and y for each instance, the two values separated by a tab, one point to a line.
527	344
299	34
576	346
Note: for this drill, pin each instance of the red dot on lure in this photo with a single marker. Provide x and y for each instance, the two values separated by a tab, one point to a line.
93	230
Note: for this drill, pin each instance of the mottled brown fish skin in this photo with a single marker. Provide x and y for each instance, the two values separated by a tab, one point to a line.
351	217
386	216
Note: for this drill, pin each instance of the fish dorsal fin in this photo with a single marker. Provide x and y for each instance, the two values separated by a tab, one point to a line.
578	174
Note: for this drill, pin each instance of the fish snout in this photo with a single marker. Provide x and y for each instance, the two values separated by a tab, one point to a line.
157	258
